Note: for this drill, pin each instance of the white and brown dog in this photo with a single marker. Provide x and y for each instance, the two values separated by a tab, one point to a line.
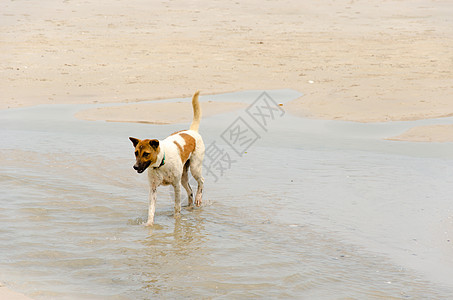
168	162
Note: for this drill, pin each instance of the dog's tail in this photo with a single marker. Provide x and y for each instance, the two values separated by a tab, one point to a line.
196	112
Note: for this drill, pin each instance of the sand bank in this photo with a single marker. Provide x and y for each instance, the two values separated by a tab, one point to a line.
156	113
364	61
429	133
7	294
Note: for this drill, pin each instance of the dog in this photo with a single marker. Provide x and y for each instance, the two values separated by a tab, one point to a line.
168	162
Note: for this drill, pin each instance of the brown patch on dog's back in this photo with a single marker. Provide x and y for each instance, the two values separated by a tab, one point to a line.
177	132
189	146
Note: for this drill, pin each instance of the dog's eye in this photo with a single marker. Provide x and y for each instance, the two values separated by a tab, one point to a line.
145	154
136	153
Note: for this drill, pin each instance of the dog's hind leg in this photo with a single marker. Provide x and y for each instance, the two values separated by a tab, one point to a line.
195	169
196	166
185	182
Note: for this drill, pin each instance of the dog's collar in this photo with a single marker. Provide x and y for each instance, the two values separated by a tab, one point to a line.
161	163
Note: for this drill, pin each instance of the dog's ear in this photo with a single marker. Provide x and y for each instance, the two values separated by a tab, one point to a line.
134	141
154	144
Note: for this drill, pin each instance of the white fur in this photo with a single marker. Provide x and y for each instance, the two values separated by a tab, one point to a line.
173	171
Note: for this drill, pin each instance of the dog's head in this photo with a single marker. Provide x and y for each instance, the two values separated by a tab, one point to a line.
145	153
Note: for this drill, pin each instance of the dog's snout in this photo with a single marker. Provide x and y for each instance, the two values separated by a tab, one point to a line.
135	167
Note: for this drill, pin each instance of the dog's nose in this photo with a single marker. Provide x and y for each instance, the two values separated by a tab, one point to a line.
135	167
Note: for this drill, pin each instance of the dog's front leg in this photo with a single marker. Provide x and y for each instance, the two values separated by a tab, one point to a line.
152	205
177	186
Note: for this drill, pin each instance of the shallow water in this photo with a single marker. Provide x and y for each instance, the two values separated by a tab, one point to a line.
313	209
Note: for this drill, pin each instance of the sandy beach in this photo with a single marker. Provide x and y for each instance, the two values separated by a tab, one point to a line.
364	61
7	294
361	61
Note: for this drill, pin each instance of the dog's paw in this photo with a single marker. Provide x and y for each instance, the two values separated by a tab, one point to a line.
149	224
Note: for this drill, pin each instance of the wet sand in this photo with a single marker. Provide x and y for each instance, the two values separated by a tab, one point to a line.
157	113
428	133
7	294
347	214
360	61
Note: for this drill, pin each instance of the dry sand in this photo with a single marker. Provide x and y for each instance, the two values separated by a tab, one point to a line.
7	294
362	61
